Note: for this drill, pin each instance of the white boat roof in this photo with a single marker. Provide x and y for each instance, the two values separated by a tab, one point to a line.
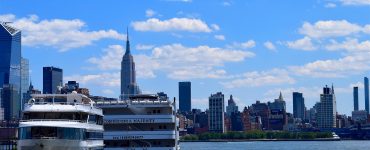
73	97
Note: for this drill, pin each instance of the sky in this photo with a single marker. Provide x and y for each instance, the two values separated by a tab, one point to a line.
252	49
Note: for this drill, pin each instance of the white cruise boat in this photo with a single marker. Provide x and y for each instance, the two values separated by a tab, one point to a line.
61	122
143	122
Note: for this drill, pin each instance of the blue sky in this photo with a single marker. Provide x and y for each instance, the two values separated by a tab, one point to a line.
252	49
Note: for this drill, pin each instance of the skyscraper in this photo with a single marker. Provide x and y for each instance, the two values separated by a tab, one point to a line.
25	81
277	118
366	84
52	78
216	116
231	106
128	74
11	102
355	98
185	96
298	106
10	68
327	109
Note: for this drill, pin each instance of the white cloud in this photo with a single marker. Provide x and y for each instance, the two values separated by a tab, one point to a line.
58	33
348	65
110	60
269	45
200	62
226	3
308	93
220	37
150	13
244	45
360	85
199	103
215	27
144	47
302	44
355	2
112	57
329	28
103	79
146	66
350	44
264	78
330	5
174	24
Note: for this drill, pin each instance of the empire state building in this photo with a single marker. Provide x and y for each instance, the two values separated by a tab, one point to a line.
128	74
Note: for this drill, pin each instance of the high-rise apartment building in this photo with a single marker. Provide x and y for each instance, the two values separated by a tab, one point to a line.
216	115
366	87
355	98
298	106
327	109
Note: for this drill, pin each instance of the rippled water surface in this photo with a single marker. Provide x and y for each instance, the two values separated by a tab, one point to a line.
281	145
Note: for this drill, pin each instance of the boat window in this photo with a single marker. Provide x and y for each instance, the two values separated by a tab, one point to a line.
43	132
92	119
56	133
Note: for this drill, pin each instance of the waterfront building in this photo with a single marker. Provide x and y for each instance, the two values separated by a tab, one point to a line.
216	115
236	121
128	74
366	87
185	96
200	122
10	68
250	122
298	106
140	122
231	106
277	117
261	110
52	78
342	121
355	98
327	109
359	116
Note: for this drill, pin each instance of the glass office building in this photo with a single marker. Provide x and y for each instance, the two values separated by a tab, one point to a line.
10	68
25	81
52	78
185	96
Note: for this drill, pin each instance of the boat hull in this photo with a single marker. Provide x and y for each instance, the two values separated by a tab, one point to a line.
59	144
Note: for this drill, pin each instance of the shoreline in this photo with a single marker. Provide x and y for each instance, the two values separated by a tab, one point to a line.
259	140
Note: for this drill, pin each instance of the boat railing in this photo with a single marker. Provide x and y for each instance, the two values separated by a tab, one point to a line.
67	120
58	103
134	102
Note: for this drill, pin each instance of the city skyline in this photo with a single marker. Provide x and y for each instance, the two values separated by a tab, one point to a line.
226	53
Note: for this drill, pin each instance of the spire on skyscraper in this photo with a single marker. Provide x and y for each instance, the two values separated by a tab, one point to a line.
281	97
127	43
332	88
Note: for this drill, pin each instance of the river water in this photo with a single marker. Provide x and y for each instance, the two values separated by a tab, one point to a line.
277	145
